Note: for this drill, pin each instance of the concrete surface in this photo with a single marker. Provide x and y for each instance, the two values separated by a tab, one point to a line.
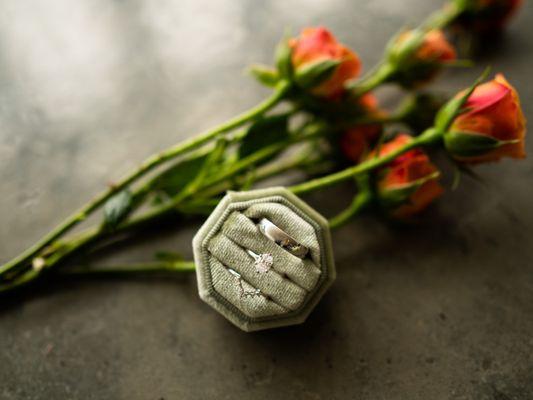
88	88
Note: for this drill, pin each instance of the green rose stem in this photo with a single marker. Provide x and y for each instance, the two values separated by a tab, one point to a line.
132	269
180	267
428	137
381	74
446	15
279	94
299	161
360	202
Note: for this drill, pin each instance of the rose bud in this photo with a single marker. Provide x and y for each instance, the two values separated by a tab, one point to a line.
356	140
321	63
486	17
492	127
409	183
420	56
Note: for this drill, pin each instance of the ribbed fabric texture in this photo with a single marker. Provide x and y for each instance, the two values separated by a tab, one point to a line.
289	280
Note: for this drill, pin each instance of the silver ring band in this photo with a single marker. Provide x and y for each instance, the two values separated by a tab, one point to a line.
282	239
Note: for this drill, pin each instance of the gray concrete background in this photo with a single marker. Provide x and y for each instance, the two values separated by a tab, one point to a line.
89	88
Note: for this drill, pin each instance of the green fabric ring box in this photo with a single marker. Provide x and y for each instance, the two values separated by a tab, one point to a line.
228	279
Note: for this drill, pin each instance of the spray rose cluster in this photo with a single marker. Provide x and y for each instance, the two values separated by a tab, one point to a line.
333	128
482	124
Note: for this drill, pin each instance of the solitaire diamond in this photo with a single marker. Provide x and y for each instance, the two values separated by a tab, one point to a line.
263	263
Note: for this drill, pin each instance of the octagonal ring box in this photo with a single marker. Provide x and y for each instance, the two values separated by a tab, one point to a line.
225	252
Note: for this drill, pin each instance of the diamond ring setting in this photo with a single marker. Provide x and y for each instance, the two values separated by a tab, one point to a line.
263	262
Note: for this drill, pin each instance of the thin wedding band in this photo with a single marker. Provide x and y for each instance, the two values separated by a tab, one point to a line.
281	238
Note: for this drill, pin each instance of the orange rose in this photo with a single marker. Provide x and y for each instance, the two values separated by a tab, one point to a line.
425	62
493	127
316	45
436	48
487	16
356	140
409	183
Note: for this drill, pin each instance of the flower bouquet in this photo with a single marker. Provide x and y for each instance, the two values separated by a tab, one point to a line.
323	119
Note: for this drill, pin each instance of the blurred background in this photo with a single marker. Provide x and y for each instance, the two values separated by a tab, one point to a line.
89	88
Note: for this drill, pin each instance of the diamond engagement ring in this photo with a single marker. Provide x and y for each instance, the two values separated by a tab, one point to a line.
263	262
282	239
242	292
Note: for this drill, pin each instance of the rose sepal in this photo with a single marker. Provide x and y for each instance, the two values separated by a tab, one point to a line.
454	106
471	144
313	74
399	52
283	58
392	197
265	75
